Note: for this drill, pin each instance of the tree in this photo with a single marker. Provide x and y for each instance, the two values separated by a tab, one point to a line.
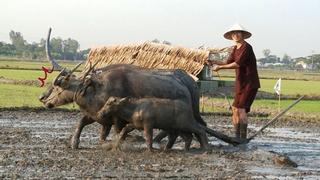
7	49
60	49
17	41
16	38
315	61
266	52
83	54
56	45
155	41
70	49
286	59
166	42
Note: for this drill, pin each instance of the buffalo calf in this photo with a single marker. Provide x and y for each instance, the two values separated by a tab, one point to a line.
154	113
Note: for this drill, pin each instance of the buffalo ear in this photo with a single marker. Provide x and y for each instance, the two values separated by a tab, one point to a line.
58	79
64	82
87	82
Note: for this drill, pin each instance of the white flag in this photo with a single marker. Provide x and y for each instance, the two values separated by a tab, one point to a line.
277	87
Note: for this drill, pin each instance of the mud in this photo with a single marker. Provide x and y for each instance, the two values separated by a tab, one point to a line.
35	144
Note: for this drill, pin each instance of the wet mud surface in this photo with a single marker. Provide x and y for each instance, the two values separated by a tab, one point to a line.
35	144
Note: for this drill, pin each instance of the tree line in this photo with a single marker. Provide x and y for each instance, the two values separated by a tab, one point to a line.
312	61
62	49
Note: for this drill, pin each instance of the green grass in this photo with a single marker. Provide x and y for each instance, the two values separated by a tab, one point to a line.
20	95
305	106
34	64
276	74
290	87
25	74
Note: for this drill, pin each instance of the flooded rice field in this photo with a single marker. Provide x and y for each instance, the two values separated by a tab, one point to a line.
35	144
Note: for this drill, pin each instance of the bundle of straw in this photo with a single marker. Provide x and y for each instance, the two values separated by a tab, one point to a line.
151	55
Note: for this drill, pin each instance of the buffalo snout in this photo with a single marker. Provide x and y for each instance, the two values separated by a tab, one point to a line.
49	105
42	97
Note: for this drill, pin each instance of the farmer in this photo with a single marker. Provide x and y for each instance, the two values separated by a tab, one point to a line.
243	60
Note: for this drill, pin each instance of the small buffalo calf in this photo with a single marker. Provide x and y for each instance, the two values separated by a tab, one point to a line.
173	116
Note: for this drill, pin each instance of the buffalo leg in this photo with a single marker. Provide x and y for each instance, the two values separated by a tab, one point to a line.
128	128
187	137
172	138
203	140
148	133
200	135
82	123
118	124
104	132
162	134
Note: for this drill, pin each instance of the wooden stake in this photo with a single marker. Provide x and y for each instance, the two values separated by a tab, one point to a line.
279	107
202	104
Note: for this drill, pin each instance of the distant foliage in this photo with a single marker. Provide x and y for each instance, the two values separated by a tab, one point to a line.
311	62
68	49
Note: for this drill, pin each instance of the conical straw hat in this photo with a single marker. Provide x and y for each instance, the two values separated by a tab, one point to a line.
237	27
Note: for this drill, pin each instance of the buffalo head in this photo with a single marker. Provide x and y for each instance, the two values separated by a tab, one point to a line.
63	87
112	105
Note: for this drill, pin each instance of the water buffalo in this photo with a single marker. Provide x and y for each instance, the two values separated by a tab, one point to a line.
173	116
92	89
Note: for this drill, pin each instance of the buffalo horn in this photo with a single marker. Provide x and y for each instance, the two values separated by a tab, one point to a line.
55	65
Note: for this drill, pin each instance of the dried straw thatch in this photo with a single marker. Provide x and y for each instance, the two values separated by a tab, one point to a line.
151	55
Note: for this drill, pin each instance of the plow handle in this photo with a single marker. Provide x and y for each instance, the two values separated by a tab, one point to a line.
274	119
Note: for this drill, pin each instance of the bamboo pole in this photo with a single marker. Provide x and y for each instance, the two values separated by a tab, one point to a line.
275	118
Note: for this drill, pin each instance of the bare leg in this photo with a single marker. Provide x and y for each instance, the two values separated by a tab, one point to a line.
236	121
82	123
243	123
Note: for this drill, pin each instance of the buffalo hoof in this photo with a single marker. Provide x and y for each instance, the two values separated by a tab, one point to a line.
208	151
117	145
107	146
116	148
75	143
167	149
102	142
150	150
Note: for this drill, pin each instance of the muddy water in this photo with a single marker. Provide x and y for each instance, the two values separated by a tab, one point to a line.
302	146
36	145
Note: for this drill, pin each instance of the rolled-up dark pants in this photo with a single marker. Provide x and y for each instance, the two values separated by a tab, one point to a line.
244	99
